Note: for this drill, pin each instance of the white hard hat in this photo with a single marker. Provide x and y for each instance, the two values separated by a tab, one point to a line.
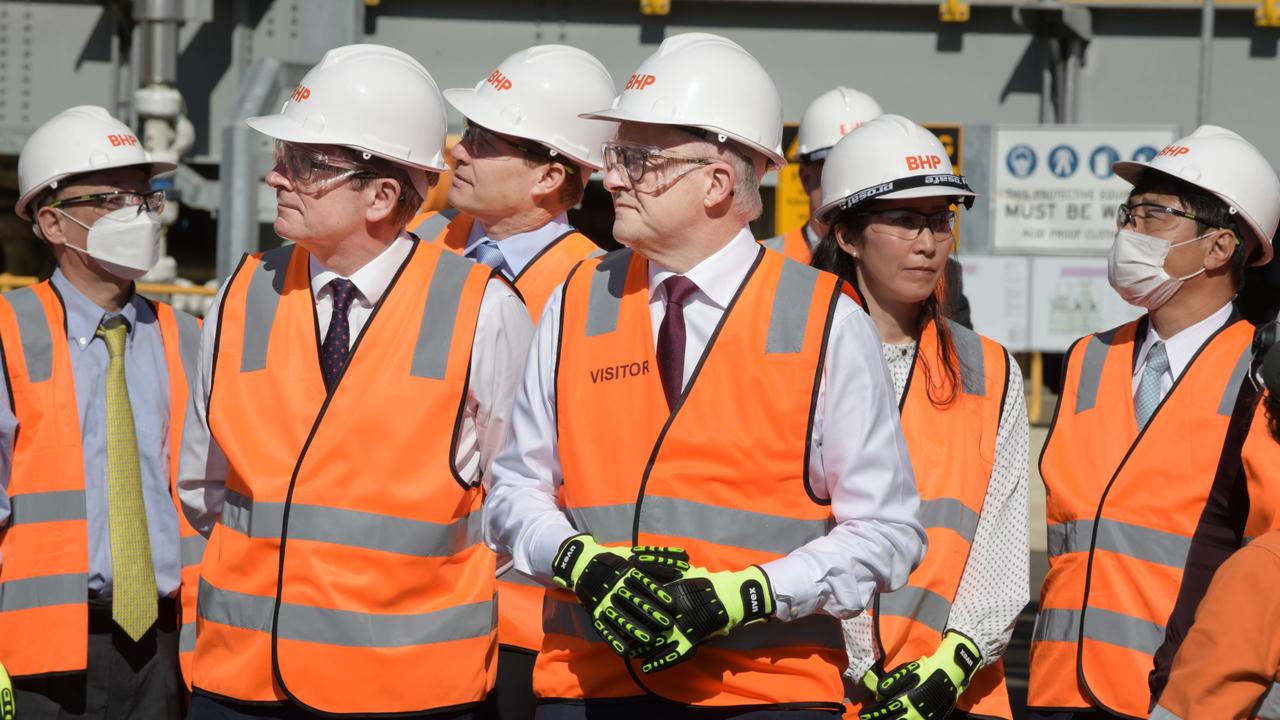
81	139
1227	166
538	94
834	114
371	98
708	82
889	157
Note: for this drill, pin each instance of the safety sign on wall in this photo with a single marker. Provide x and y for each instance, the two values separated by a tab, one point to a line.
1053	190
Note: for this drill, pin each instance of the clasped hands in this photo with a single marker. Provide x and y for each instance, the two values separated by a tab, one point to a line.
649	603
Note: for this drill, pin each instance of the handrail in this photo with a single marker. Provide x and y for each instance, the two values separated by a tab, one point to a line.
9	282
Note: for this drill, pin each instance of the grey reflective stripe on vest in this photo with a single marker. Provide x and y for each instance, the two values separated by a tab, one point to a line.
560	617
428	230
968	344
1135	541
188	342
1104	626
1269	707
679	518
920	604
352	528
1160	713
42	507
193	550
777	243
1095	357
1233	383
790	317
344	627
33	331
262	301
951	514
605	299
439	316
43	591
187	637
606	523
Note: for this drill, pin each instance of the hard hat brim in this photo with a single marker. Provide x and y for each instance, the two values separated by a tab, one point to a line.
283	127
776	159
470	105
827	212
157	167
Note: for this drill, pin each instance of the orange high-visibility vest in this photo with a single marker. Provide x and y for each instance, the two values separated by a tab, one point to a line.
1122	508
792	244
953	450
44	615
1229	665
348	564
540	277
1260	460
724	475
519	596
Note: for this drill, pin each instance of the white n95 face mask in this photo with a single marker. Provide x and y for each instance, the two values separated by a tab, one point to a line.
1135	268
125	242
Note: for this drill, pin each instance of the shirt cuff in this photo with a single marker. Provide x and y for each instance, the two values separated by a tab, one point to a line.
543	547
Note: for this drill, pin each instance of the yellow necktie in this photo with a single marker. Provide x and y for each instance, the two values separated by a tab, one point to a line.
133	603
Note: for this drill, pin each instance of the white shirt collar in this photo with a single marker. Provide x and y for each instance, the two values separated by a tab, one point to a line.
372	279
1183	345
520	249
719	275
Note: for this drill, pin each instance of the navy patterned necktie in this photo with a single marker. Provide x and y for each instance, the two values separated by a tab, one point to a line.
337	341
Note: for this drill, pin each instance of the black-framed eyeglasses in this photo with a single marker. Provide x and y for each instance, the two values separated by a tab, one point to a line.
485	143
907	224
152	201
1153	216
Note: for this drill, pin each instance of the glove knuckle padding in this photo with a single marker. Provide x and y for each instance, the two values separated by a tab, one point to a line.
936	696
699	612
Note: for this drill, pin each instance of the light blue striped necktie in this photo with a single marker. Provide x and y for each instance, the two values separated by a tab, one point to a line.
488	253
1148	397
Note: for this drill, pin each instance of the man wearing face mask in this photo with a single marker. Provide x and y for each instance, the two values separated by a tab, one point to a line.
94	552
1131	458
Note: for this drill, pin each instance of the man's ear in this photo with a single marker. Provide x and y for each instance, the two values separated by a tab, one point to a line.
386	196
49	221
1222	248
550	180
720	185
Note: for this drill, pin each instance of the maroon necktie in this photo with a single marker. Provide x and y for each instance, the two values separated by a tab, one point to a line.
337	341
671	337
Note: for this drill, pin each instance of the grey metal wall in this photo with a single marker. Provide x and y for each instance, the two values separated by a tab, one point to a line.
1141	67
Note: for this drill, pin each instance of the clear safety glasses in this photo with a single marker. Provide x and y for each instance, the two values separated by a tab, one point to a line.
311	170
649	169
152	201
906	224
1148	218
482	142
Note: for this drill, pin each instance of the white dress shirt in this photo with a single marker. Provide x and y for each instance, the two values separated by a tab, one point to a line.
520	249
497	354
858	456
1181	347
994	586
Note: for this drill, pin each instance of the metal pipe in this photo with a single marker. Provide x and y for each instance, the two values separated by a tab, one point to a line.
1206	61
159	20
115	74
1070	83
1046	85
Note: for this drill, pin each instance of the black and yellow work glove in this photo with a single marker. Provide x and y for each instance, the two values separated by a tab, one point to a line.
928	688
6	696
621	589
708	605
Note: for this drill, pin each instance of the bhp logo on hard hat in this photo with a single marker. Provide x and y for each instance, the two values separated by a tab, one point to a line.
920	162
846	128
1174	151
640	82
499	81
300	93
121	140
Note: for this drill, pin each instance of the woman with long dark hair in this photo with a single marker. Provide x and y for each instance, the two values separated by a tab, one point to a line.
890	196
